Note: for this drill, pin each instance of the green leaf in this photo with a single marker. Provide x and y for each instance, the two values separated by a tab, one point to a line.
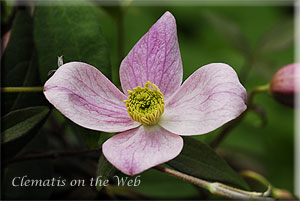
40	169
279	37
199	160
72	31
19	127
229	30
105	170
88	136
19	65
20	45
31	79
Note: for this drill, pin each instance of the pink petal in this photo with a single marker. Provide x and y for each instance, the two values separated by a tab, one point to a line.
84	95
209	98
141	148
155	58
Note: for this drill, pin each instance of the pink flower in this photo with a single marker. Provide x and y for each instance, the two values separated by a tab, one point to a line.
150	119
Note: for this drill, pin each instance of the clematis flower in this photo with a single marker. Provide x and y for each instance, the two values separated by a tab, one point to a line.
156	109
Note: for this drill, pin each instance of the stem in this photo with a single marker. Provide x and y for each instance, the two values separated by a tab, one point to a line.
256	90
231	125
120	28
226	129
255	176
50	154
216	187
193	180
21	89
277	193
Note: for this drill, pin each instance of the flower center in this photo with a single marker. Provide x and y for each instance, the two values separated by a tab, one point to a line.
145	105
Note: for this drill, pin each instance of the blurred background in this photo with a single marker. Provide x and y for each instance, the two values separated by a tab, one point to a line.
256	40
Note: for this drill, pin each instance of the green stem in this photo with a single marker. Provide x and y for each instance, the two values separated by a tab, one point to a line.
256	90
226	129
217	188
21	89
257	177
277	193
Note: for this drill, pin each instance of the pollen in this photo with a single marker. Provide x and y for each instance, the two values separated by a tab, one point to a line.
145	105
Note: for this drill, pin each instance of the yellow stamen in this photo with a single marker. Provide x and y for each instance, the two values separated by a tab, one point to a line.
145	105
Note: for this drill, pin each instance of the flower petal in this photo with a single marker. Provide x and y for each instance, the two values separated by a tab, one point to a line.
141	148
209	98
155	58
84	95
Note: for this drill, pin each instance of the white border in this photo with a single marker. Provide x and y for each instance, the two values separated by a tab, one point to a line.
161	2
213	3
297	100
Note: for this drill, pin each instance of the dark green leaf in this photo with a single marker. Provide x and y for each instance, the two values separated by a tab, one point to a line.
31	78
90	137
11	79
229	30
279	37
72	31
19	126
105	169
40	169
20	45
19	66
199	160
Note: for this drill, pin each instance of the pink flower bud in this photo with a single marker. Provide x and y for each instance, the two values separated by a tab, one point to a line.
283	84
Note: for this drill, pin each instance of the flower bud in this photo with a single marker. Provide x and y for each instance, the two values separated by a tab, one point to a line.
282	194
283	84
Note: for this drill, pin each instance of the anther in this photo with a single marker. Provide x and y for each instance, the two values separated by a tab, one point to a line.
145	105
